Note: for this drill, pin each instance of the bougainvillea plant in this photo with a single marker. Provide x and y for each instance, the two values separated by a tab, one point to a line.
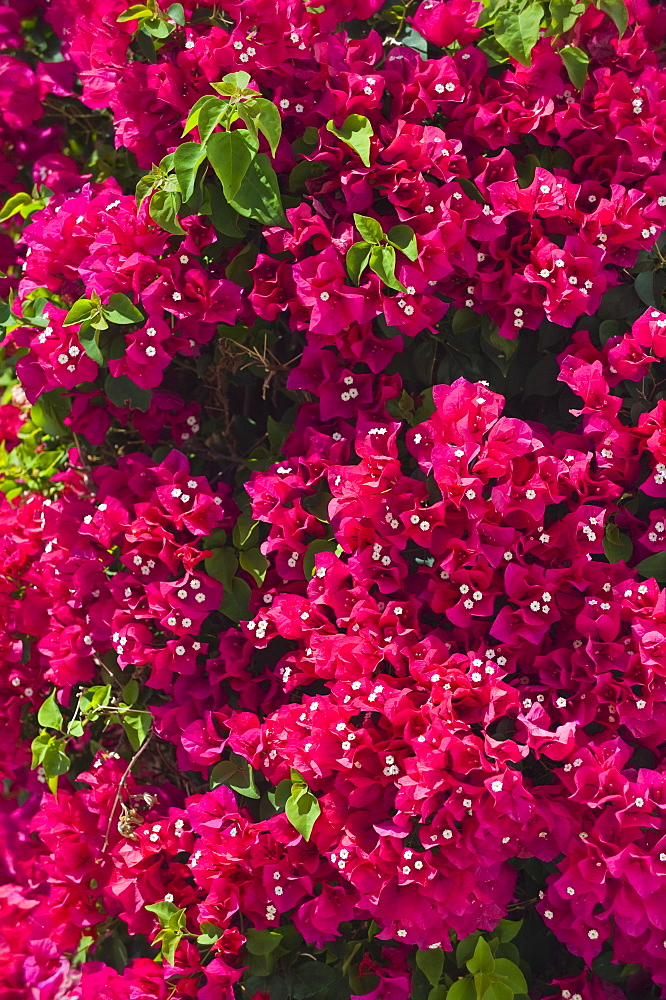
333	500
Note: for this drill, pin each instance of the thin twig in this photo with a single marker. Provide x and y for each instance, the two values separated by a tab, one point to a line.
121	785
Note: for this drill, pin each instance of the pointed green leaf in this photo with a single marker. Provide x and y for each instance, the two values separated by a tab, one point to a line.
506	930
237	774
653	566
89	340
177	13
14	204
617	11
164	207
482	960
156	27
38	747
49	714
462	989
618	547
163	911
236	600
230	155
404	238
258	196
123	392
82	311
497	991
130	692
186	160
357	259
431	963
510	973
576	62
262	942
207	101
136	726
255	563
370	229
121	310
132	13
221	565
55	761
262	115
382	262
233	84
356	132
518	31
303	810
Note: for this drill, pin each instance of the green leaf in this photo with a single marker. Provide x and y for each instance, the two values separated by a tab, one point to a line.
462	989
644	285
654	566
156	27
231	154
14	204
255	563
193	117
262	942
498	991
510	972
233	84
132	13
210	933
210	116
222	565
302	810
518	31
357	259
564	14
49	412
236	600
177	13
608	328
163	911
617	546
482	960
131	692
137	726
236	773
187	159
49	714
506	930
121	310
356	132
89	340
576	62
369	228
123	392
404	238
304	171
258	196
81	312
617	11
38	747
382	262
164	208
431	964
313	550
55	761
262	116
170	940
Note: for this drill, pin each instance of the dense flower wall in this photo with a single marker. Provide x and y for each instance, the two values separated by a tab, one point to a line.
333	510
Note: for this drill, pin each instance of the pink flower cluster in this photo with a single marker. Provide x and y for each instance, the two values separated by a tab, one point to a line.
442	646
